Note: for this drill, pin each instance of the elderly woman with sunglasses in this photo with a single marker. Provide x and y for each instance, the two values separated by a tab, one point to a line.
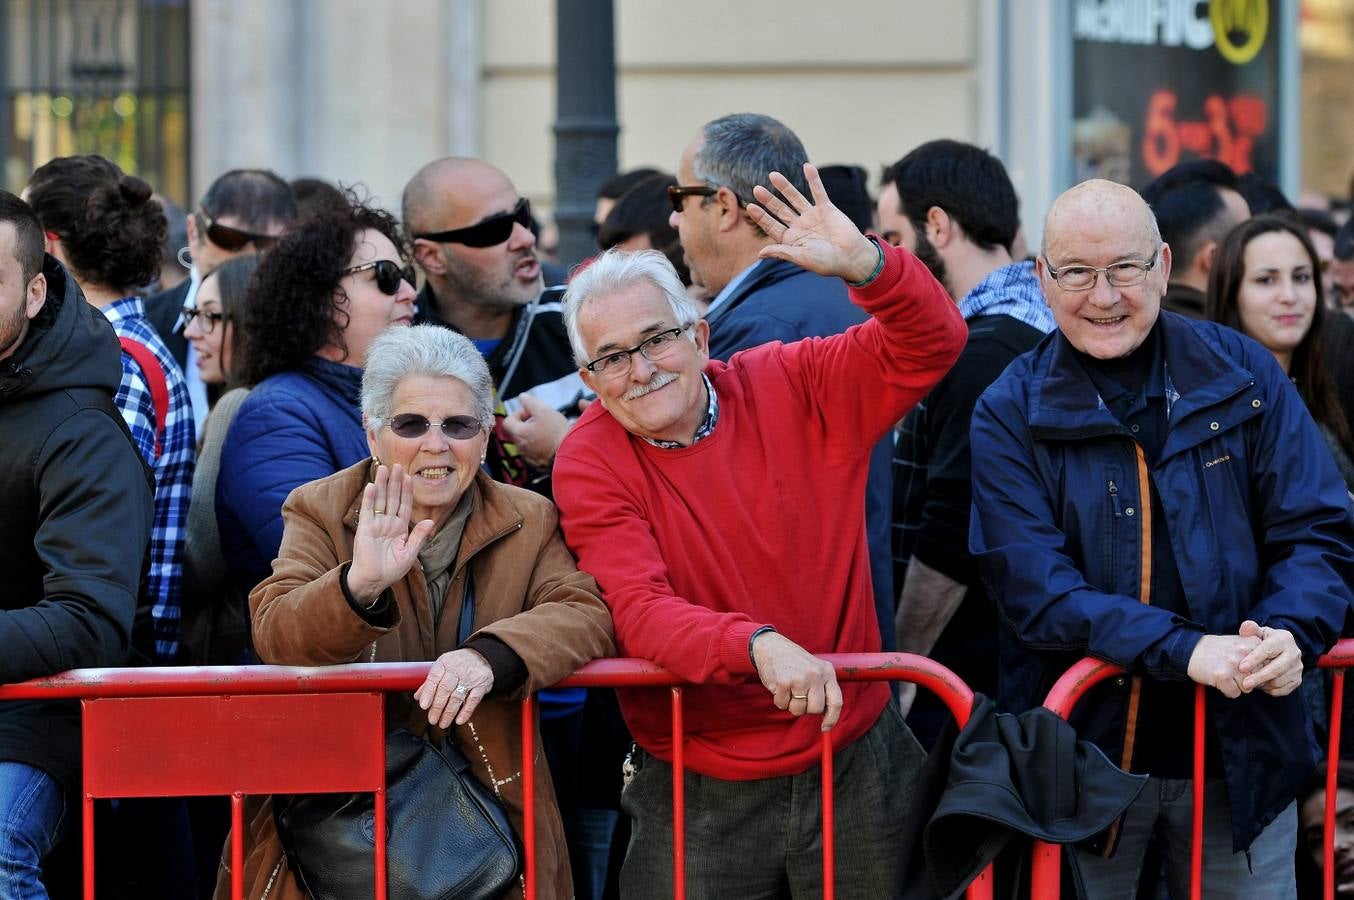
318	300
378	560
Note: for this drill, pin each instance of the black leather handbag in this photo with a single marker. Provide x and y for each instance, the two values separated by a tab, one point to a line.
447	836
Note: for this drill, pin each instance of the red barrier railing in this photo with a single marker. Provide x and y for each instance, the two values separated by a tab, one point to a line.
273	729
1087	673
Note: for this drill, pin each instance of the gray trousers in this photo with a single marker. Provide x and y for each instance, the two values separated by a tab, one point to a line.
1164	809
763	839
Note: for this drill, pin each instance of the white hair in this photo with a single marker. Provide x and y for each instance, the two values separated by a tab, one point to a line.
428	350
618	270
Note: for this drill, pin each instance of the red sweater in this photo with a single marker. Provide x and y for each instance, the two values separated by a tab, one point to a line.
761	523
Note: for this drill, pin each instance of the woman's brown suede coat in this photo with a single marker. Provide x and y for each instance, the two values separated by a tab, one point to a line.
528	593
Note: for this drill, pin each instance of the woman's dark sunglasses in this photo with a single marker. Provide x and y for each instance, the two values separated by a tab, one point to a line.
456	428
388	275
232	239
489	233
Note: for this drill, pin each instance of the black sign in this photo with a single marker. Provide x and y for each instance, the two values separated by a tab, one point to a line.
1157	82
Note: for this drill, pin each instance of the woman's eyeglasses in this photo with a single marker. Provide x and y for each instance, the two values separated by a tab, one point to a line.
388	275
489	233
232	239
206	320
456	428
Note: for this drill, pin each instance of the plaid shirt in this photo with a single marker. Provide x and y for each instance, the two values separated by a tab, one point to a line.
173	469
707	425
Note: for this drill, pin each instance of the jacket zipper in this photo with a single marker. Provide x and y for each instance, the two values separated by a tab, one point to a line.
1144	597
1114	499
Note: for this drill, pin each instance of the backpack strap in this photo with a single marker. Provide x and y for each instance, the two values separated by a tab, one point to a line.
154	374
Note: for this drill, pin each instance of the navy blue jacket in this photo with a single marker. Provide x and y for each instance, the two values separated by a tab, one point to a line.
779	301
1259	525
293	428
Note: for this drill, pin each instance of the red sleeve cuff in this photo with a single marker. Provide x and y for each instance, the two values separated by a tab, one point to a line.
733	648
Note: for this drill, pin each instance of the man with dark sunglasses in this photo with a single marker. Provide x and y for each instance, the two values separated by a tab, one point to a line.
243	212
471	235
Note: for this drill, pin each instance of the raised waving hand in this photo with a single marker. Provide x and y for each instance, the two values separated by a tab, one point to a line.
384	548
812	234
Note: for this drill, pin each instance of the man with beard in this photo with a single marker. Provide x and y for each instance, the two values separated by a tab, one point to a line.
472	238
758	300
954	206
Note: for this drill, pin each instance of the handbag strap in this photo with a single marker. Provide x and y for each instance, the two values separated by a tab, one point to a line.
467	621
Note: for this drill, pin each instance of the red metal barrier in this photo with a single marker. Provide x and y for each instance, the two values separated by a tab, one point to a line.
1087	673
256	730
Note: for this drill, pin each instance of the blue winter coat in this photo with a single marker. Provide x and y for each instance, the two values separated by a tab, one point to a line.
1258	521
293	428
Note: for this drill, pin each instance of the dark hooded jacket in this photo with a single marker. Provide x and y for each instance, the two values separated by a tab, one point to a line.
75	519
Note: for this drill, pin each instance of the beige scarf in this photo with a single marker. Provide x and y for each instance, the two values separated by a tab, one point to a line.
438	556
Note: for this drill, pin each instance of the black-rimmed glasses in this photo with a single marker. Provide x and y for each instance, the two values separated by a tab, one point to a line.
678	193
207	320
489	233
618	362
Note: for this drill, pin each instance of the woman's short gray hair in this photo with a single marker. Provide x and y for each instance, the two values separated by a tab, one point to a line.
618	270
429	350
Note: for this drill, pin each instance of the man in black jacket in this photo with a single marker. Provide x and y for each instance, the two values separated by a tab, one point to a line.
955	207
75	519
472	238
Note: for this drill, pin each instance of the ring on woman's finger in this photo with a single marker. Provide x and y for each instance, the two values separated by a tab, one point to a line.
379	510
799	696
462	690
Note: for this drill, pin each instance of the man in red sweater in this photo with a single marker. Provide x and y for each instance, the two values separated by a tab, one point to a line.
721	508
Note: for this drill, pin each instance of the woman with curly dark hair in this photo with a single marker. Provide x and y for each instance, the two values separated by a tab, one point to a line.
106	229
318	299
1266	283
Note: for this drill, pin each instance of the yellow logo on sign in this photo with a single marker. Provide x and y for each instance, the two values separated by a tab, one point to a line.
1239	28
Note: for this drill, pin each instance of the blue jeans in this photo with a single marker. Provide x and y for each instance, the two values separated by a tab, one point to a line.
1163	810
32	813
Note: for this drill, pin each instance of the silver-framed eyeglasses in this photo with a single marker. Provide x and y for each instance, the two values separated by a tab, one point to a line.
1124	273
206	320
618	362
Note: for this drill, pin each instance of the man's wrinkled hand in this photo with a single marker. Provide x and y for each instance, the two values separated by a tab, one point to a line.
800	683
813	234
1275	666
1216	661
537	429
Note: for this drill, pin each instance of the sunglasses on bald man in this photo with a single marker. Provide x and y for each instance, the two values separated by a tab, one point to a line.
489	233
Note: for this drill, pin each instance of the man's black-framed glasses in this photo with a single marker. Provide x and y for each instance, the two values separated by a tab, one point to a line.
388	275
678	193
206	320
1124	273
618	362
488	233
232	239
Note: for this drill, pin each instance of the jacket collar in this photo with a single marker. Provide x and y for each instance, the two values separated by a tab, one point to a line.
1064	402
766	272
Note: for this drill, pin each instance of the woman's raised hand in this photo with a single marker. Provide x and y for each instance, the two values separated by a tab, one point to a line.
385	548
815	235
